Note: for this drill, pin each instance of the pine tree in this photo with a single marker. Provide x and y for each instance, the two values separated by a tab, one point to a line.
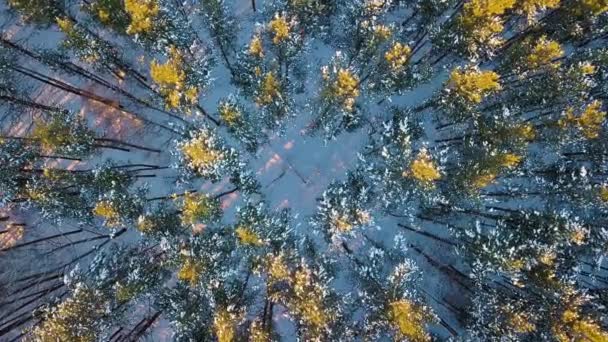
344	206
110	13
41	12
241	123
74	319
205	154
178	81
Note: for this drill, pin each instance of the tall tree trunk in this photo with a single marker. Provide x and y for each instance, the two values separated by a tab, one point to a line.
86	94
28	103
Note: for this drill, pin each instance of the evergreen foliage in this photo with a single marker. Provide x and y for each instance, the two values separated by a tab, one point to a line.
468	144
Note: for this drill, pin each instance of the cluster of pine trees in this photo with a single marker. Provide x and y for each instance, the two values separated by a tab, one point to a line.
486	136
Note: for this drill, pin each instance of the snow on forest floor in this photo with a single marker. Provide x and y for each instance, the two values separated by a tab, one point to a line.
293	168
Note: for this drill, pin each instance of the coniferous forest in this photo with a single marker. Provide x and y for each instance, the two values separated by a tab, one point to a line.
303	170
